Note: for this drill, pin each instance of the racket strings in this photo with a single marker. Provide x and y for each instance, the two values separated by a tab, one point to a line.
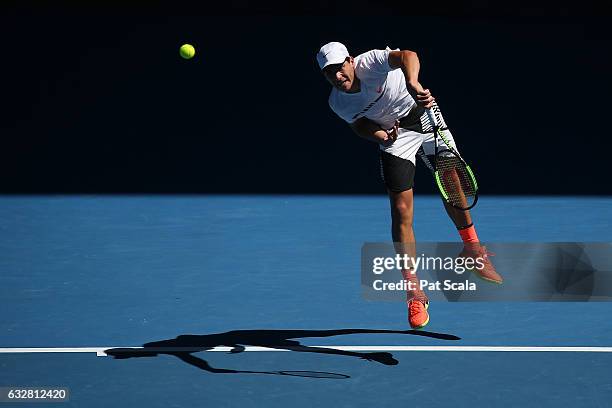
456	181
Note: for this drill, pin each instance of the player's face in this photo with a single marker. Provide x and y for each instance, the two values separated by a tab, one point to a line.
341	76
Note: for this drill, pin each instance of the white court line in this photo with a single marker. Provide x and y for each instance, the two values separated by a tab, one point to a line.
100	350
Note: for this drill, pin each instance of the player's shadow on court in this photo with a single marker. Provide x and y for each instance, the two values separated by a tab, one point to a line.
184	346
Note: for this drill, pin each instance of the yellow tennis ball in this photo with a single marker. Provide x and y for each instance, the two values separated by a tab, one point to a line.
187	51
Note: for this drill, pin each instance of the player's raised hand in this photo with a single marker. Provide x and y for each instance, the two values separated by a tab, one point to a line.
421	95
425	99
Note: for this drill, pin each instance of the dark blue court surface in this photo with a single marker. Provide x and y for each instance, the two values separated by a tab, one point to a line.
120	272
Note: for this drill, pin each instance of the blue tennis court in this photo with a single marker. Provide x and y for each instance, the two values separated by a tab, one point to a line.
107	272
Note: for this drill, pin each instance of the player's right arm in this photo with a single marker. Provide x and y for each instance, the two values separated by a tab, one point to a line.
410	65
371	131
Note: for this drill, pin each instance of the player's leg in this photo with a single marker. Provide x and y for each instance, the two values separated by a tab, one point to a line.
398	175
461	219
402	214
471	244
402	231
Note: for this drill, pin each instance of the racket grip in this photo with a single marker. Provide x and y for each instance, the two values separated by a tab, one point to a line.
432	117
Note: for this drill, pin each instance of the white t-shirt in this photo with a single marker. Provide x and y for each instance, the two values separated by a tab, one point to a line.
383	97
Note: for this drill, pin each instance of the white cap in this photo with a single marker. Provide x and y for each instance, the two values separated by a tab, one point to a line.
331	53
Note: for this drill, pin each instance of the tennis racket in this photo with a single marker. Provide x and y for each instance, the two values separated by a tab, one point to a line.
454	177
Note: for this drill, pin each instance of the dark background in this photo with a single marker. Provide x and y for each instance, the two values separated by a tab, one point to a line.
96	99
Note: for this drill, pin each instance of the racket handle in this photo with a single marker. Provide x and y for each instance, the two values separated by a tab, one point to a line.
432	117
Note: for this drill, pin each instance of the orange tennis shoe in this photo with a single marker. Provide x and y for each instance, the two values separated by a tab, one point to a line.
417	301
487	270
418	317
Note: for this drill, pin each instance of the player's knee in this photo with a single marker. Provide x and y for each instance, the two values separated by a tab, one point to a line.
402	212
402	207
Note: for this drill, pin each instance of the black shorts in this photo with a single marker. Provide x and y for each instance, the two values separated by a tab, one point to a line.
415	138
397	173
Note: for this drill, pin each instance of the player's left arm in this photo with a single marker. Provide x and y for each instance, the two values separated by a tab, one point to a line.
369	130
408	61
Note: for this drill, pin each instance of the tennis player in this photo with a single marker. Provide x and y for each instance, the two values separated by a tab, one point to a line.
379	95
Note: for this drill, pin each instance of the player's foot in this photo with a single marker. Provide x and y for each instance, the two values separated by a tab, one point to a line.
417	301
418	317
484	269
